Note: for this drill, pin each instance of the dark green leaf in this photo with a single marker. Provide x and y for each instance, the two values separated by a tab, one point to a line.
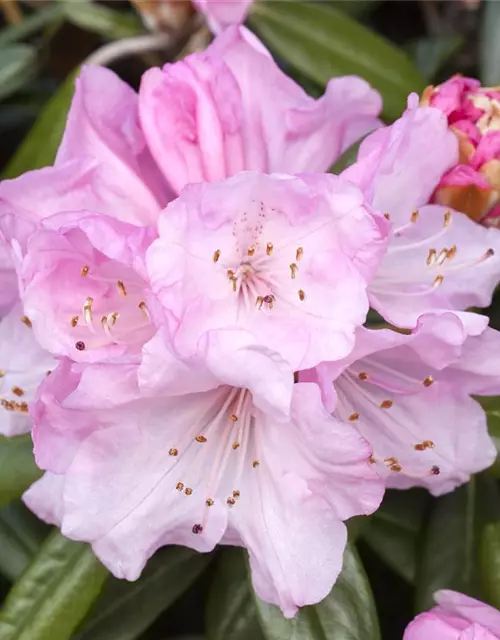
491	404
346	159
489	43
231	613
490	564
126	609
355	8
102	20
21	535
348	613
31	24
322	42
40	146
17	65
430	54
449	558
17	467
54	594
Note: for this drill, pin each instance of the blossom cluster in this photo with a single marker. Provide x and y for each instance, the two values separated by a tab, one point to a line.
185	294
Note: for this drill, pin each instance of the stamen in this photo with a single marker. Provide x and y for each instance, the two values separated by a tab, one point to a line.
179	486
387	216
216	255
87	310
386	404
188	491
25	320
144	308
236	445
121	288
17	391
173	452
200	439
452	252
269	300
354	416
422	446
428	381
255	464
302	295
74	321
396	468
114	317
299	254
2	374
236	493
447	218
231	501
438	281
259	302
431	258
84	270
414	216
234	417
269	248
209	502
363	376
293	270
251	250
443	255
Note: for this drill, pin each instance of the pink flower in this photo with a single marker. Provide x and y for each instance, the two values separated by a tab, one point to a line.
473	113
409	396
457	617
232	108
286	258
222	13
244	461
437	259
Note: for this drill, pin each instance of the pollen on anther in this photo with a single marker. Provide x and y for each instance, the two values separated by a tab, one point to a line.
302	295
231	501
251	250
144	308
188	491
386	404
255	464
299	254
414	216
197	529
489	253
259	301
121	288
200	439
179	486
396	468
74	321
84	270
438	280
428	381
236	493
80	345
234	417
447	218
387	216
209	502
293	270
372	460
236	445
354	416
431	257
173	452
435	470
269	248
25	320
451	252
17	391
363	376
216	255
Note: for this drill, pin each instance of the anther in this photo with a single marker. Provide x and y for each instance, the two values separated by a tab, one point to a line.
179	486
251	250
74	321
121	288
299	254
209	502
87	310
414	216
188	491
2	374
236	493
431	258
255	464
234	417
231	501
396	468
197	529
489	253
302	295
386	404
269	248
25	320
354	416
259	302
216	255
447	218
452	252
363	376
269	300
391	460
435	470
200	439
17	391
84	270
114	317
387	216
144	308
7	404
236	445
438	281
80	345
293	270
372	460
173	452
428	381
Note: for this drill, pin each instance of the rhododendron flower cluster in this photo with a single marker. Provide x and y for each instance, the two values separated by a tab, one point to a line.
472	185
203	285
456	617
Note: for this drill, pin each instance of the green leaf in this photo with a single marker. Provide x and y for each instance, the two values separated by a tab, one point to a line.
430	54
17	66
323	42
21	535
31	24
490	564
348	613
126	609
17	467
393	531
489	43
102	20
40	146
450	552
54	594
231	613
491	404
